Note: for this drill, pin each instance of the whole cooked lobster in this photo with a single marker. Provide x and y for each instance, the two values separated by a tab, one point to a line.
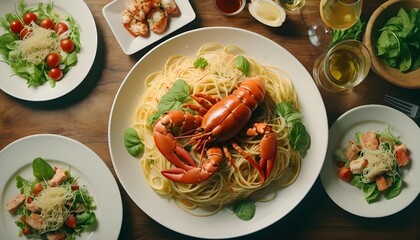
222	121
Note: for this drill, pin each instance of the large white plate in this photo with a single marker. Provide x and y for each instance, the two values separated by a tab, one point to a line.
129	44
16	159
376	118
17	87
224	224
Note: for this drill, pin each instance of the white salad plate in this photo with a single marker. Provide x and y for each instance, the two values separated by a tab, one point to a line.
16	159
129	44
372	118
17	86
224	224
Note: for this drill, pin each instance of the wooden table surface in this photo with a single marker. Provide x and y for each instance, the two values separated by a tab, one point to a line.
83	115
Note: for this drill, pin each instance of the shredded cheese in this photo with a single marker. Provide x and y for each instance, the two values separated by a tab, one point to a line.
53	212
379	161
36	45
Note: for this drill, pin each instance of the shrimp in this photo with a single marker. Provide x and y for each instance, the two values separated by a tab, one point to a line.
141	15
134	20
158	20
147	5
170	6
370	140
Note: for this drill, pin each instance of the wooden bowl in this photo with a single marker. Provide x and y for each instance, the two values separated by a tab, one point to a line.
377	20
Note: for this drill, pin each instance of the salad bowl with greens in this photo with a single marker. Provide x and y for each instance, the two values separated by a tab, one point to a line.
393	38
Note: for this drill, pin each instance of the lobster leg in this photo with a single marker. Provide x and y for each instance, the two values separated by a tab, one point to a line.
250	160
205	102
196	174
268	149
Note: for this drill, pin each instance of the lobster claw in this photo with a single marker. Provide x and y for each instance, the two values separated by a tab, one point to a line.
268	148
196	174
170	149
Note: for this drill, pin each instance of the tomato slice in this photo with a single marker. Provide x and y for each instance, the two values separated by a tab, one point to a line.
30	17
55	73
47	23
67	45
53	59
60	28
16	26
344	173
71	221
37	189
26	231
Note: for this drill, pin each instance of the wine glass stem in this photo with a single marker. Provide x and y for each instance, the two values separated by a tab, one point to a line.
320	35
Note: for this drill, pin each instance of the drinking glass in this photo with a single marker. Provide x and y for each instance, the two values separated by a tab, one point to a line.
343	67
335	14
291	5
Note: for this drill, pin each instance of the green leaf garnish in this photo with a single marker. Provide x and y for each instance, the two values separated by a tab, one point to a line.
201	63
41	169
242	64
245	209
132	142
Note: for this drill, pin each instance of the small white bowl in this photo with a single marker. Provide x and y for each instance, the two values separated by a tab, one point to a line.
267	12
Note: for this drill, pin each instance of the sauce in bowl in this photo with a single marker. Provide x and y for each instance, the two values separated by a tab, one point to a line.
229	7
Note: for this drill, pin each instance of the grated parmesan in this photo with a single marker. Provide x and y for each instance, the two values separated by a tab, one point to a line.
52	204
36	45
379	161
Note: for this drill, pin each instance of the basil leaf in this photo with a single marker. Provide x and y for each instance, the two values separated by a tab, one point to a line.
395	189
21	183
132	142
175	97
71	59
354	32
201	63
41	169
299	137
245	209
5	40
242	64
85	219
288	112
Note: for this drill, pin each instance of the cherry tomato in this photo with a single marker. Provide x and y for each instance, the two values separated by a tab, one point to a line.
26	231
60	28
25	32
47	23
30	17
71	222
37	189
67	45
53	59
16	26
55	73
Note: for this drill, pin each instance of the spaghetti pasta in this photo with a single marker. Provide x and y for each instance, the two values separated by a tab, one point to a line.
220	77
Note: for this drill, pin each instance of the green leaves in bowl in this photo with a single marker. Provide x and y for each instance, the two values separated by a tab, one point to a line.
399	41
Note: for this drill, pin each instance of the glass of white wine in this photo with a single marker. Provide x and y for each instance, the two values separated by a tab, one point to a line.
335	14
343	67
291	5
